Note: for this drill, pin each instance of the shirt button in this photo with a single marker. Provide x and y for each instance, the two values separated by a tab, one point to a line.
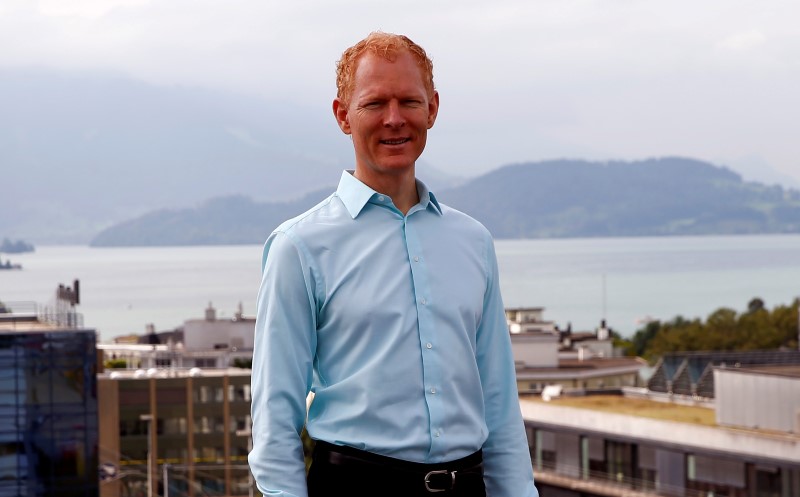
381	198
416	258
433	390
423	301
437	433
429	345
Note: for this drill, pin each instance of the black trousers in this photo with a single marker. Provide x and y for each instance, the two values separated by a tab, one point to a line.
351	472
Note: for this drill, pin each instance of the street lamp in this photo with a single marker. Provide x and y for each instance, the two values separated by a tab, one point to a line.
249	434
148	418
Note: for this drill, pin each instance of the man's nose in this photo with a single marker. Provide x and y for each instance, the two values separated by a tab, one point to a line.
394	116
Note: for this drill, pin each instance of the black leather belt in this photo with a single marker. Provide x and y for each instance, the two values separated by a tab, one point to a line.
397	473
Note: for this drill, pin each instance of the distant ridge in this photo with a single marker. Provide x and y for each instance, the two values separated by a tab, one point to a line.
82	150
558	198
664	196
229	220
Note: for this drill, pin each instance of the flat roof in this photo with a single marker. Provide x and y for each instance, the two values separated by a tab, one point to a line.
166	373
787	370
596	365
36	326
645	408
688	428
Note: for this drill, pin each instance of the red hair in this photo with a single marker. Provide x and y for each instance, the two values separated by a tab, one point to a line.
386	45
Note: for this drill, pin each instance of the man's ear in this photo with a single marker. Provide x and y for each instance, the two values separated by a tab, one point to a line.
340	113
433	109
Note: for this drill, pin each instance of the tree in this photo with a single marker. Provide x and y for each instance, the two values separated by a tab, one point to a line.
755	305
724	329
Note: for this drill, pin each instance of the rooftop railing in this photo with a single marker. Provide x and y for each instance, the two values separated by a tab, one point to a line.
611	484
22	312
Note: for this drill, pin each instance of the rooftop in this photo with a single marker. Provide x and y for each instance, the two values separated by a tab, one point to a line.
788	370
28	316
645	408
141	374
590	367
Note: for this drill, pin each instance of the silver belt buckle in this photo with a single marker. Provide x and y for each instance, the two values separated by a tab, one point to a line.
440	472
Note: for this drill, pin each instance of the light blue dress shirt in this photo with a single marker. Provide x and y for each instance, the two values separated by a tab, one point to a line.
397	325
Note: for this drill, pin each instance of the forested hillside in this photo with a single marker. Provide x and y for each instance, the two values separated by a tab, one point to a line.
656	197
757	328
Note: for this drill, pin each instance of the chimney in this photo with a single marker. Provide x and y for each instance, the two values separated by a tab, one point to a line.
239	312
602	331
211	313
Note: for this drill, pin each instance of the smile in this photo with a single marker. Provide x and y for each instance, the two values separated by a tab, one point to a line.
396	141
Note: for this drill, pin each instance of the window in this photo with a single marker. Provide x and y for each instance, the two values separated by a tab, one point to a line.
768	481
646	467
202	425
545	450
243	423
202	394
239	393
715	476
175	426
619	458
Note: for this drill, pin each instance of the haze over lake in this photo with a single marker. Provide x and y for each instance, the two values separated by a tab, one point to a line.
578	281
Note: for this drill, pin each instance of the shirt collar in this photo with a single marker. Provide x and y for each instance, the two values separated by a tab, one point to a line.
355	194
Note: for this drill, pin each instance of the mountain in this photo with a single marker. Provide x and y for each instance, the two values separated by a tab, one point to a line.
81	150
229	220
666	196
561	198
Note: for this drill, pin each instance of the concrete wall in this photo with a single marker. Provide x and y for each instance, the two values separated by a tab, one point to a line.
757	400
752	445
535	349
205	334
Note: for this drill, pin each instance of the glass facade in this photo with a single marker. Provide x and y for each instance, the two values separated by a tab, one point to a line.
48	414
199	424
651	469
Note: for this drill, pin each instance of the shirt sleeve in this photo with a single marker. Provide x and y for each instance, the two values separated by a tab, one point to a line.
507	463
283	352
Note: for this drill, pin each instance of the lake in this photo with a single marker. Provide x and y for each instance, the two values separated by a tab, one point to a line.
577	281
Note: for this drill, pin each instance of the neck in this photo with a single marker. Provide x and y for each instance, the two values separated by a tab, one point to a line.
401	188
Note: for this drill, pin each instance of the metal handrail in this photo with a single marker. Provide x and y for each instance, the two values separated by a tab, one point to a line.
618	481
63	316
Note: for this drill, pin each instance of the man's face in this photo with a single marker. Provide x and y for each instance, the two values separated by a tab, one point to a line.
388	115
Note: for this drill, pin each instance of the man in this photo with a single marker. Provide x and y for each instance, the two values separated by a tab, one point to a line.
386	305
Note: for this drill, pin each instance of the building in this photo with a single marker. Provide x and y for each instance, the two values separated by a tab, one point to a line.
741	441
211	342
49	407
692	373
546	356
186	428
759	397
528	320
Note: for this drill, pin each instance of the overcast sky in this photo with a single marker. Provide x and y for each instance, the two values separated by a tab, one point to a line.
519	80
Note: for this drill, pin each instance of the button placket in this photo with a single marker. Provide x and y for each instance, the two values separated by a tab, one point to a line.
431	360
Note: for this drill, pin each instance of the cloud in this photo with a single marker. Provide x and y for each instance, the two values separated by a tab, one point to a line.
744	40
244	136
92	9
519	79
